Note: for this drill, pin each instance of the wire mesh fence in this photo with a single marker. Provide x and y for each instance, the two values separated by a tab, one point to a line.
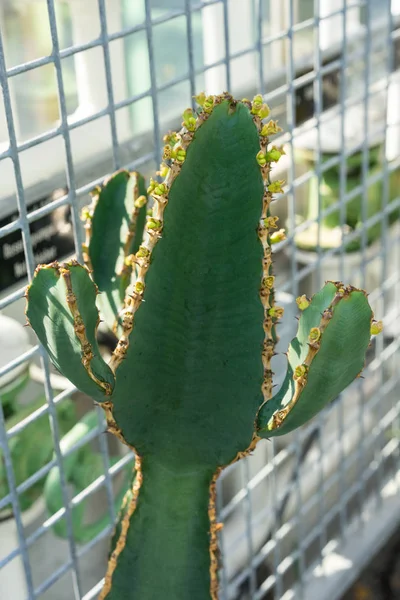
91	87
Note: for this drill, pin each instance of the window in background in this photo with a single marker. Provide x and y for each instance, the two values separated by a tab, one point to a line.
26	33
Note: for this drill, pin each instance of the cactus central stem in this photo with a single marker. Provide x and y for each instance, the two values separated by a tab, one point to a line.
167	546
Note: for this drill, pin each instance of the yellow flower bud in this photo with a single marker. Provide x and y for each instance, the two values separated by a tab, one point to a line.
200	98
276	312
376	327
271	128
268	282
277	236
140	202
302	302
143	252
314	335
299	372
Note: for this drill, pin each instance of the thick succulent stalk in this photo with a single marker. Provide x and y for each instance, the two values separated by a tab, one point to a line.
163	540
189	385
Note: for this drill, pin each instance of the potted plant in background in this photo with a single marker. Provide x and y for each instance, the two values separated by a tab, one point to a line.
340	228
32	448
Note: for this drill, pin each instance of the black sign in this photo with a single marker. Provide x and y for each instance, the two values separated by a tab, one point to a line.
51	238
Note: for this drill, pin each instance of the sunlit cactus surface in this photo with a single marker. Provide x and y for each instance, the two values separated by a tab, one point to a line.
189	386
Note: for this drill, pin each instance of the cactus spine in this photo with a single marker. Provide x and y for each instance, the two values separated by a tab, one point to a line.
189	386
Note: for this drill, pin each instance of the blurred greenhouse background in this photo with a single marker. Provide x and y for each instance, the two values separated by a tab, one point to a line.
89	86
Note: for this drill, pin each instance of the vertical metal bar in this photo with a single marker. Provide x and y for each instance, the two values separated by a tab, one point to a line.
109	84
12	487
77	586
259	20
317	97
278	588
317	113
342	192
116	159
22	208
70	174
189	35
221	541
153	83
385	218
227	46
291	122
380	439
248	519
364	217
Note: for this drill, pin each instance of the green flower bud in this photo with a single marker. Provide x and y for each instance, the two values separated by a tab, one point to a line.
264	111
208	104
257	104
154	223
188	120
273	155
160	189
276	187
171	138
261	158
152	185
143	252
277	236
163	172
179	154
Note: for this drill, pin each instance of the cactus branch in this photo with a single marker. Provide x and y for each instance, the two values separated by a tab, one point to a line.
114	224
61	309
325	356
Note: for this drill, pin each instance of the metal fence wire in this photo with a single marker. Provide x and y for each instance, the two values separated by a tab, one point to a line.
90	87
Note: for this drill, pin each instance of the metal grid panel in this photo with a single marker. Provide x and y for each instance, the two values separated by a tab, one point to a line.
283	506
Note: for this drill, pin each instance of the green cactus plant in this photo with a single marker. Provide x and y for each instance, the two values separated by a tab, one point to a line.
189	385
